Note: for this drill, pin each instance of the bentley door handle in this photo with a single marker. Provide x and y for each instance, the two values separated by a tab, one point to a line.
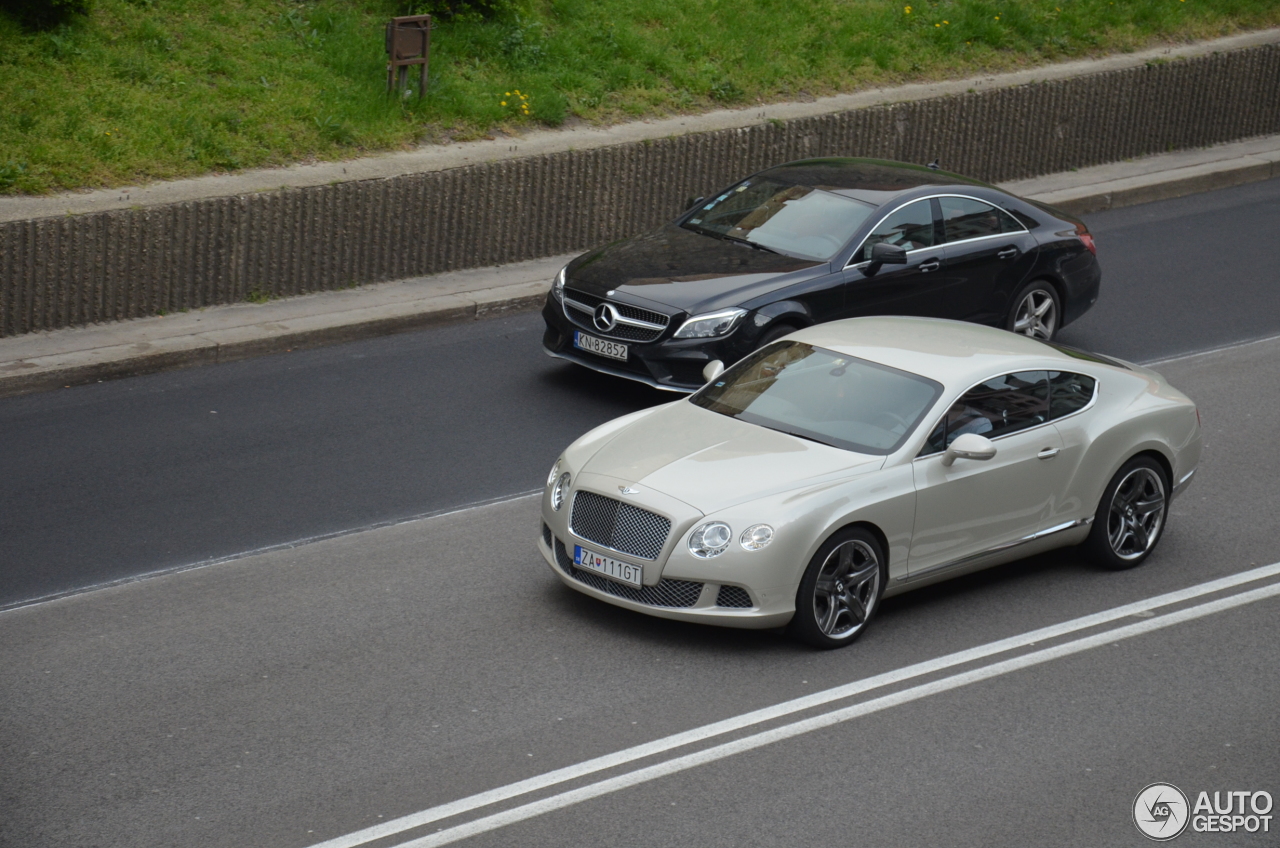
931	265
1047	453
1007	253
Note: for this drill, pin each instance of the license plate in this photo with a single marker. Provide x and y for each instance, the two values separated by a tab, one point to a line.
623	572
599	347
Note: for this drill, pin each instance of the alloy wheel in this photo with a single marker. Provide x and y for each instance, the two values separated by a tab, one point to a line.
1037	315
847	588
1137	513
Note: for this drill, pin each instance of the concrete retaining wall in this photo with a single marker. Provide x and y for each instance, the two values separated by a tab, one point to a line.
106	266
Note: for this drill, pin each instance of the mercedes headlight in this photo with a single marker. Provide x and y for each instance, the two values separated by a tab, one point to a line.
756	537
557	286
560	492
710	540
711	324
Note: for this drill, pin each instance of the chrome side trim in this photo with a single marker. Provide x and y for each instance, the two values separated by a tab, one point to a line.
971	558
617	372
1181	485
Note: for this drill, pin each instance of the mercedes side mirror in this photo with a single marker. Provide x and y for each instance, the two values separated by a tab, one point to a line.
712	369
692	202
888	254
969	446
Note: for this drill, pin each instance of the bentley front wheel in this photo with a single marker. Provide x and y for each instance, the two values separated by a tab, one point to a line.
840	591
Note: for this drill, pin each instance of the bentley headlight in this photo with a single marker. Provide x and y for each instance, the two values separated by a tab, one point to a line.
560	492
555	472
756	537
710	540
710	325
557	286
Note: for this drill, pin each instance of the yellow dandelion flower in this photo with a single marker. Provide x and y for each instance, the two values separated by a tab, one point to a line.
946	22
503	103
906	10
937	25
508	94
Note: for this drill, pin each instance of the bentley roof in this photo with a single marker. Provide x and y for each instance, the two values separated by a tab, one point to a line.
948	351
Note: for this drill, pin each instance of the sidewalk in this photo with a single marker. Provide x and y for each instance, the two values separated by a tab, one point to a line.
41	361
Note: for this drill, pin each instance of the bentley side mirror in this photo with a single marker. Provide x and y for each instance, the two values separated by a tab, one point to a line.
888	254
692	202
969	446
712	369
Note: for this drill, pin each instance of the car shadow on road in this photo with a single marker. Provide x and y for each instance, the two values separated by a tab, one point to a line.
1026	592
575	382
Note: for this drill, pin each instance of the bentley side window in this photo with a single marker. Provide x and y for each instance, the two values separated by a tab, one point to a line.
911	228
996	407
1069	393
965	218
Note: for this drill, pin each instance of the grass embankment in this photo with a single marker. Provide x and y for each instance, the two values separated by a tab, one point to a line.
146	89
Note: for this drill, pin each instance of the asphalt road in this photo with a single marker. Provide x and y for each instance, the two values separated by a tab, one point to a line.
302	695
113	480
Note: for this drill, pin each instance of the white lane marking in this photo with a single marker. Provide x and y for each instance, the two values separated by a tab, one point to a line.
699	734
1177	357
280	546
777	734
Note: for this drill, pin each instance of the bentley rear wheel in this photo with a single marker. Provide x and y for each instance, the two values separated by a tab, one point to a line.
1131	517
840	591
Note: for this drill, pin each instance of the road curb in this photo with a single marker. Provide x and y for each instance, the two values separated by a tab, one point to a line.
94	365
1175	185
79	364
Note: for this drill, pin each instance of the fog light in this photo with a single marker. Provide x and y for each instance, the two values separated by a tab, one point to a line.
756	537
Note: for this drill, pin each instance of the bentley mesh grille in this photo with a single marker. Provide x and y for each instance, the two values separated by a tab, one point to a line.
618	525
668	593
733	596
546	534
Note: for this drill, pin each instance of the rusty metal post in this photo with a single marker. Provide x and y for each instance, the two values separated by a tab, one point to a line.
408	43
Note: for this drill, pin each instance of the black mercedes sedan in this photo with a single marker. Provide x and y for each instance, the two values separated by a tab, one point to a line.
813	241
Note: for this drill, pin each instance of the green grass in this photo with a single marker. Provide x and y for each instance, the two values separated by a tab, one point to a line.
153	89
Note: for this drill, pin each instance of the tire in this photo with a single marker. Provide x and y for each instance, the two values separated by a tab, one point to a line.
1131	515
1035	311
774	333
840	591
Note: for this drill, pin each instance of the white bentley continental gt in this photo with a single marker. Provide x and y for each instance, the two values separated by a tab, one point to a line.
862	458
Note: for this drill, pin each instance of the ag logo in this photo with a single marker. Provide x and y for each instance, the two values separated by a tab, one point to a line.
1160	811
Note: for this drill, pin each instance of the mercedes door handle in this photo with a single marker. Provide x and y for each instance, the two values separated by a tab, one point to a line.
1047	453
1007	253
931	265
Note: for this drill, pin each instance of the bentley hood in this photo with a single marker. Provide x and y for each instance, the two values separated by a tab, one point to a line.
686	270
711	461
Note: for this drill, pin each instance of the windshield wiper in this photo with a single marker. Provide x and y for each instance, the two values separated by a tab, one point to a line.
689	225
751	243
